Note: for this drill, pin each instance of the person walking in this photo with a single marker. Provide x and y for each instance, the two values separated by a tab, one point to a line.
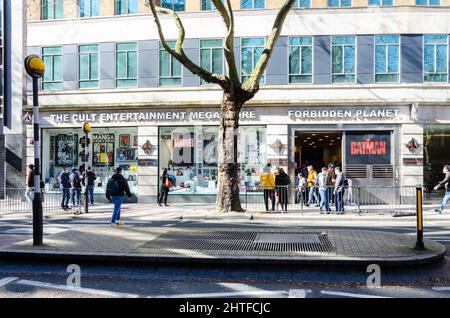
267	182
312	179
446	185
29	193
339	191
282	182
89	182
323	191
116	189
75	183
301	189
331	180
164	189
65	185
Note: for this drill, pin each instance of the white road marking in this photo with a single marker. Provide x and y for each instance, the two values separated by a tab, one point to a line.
77	289
167	225
7	280
298	293
441	288
227	294
27	230
334	293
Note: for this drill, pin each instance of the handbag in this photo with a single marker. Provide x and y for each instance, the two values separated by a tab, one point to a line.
168	184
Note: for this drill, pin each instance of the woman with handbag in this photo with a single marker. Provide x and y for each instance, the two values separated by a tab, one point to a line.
164	190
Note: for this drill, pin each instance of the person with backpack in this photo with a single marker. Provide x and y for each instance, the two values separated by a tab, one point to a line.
65	185
116	189
339	189
282	181
164	189
75	183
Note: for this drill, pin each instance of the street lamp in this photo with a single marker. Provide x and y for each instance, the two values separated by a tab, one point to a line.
86	128
35	68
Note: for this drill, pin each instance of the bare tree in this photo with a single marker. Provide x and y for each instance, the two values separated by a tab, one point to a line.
235	93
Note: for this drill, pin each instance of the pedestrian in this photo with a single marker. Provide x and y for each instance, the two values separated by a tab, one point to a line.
312	179
301	189
331	179
89	182
446	185
339	191
116	189
282	182
267	182
164	189
323	191
29	193
65	185
75	183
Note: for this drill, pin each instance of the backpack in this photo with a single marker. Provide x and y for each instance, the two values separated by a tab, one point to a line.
112	187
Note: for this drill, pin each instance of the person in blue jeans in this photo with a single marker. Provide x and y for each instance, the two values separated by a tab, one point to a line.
89	182
116	189
323	191
65	185
446	185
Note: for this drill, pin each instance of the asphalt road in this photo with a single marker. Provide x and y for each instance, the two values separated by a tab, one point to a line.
24	279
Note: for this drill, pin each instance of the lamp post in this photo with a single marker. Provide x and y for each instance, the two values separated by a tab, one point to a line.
35	68
86	128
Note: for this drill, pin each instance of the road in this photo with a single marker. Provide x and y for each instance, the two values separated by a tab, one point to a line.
21	279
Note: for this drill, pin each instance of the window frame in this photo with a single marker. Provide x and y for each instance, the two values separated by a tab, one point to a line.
161	48
201	82
90	9
343	61
380	4
173	6
298	7
387	58
128	8
253	6
428	4
53	68
434	66
241	75
54	10
289	61
116	79
90	69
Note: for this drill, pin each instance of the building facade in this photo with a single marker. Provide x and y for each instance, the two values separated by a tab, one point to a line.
362	84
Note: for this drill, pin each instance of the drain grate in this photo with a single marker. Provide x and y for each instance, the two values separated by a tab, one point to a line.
306	242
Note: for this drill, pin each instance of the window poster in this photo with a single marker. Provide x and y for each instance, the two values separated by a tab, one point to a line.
66	150
124	141
121	154
210	154
135	141
183	149
103	153
368	147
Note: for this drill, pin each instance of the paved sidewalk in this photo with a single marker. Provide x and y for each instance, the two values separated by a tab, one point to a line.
210	245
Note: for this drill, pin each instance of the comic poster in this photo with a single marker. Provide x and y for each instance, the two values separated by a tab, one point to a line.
103	153
66	150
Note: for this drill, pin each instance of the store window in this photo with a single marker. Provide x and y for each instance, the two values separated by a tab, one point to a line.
211	56
252	4
387	58
251	51
52	9
300	60
175	5
52	57
108	148
190	154
343	56
435	58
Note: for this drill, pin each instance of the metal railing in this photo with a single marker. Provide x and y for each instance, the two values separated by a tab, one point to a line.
19	200
355	199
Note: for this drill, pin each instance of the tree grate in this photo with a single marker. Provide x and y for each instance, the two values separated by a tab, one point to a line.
297	242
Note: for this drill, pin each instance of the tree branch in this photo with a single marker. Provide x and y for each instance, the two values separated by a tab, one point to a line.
252	84
178	53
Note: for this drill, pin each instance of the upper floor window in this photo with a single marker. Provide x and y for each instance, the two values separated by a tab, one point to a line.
387	58
302	4
52	9
428	2
127	7
339	3
435	59
251	51
381	3
253	4
174	5
89	8
211	56
89	65
170	70
300	60
343	58
126	64
52	57
207	5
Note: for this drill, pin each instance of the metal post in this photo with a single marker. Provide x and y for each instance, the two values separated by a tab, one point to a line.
86	192
419	243
38	231
359	199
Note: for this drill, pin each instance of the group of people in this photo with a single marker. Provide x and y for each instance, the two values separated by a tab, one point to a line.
321	188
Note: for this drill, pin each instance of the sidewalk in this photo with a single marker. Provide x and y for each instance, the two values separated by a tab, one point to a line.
238	246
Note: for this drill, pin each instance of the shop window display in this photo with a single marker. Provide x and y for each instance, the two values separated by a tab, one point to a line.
191	155
108	148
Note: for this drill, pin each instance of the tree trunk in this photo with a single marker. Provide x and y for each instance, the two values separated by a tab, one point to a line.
228	193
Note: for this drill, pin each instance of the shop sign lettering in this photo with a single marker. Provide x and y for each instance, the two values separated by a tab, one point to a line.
333	114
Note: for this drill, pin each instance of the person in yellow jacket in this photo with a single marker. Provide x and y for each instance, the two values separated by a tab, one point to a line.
267	182
312	180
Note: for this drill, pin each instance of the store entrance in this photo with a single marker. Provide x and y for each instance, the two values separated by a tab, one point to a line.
318	149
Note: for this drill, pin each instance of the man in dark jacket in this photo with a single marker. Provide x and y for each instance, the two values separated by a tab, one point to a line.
116	189
446	185
65	185
89	181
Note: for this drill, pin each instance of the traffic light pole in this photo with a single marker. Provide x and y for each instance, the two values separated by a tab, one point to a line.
86	180
38	231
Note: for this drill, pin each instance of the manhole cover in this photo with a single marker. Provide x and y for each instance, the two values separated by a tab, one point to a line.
301	242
